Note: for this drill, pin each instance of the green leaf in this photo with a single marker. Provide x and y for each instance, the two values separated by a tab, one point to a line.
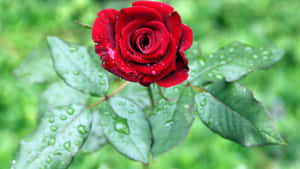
60	134
231	63
96	138
126	128
37	67
232	112
77	68
136	93
59	94
171	120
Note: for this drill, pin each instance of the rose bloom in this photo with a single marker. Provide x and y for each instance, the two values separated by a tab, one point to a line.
144	43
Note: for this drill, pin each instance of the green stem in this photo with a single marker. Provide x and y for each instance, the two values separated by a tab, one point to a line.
146	166
151	97
111	95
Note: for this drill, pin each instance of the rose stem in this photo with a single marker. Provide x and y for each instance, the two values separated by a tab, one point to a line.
195	88
146	166
111	95
163	96
84	25
151	97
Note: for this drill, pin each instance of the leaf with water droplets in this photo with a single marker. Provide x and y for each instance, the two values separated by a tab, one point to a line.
59	94
232	112
171	120
96	138
137	93
126	128
78	68
231	63
55	142
37	67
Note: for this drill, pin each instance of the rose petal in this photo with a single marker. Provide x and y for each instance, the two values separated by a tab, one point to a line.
174	26
153	69
185	42
147	80
130	14
103	28
176	77
163	8
154	53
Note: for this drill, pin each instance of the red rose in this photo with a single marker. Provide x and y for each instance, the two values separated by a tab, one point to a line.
144	43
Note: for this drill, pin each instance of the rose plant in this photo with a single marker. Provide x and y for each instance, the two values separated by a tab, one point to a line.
148	44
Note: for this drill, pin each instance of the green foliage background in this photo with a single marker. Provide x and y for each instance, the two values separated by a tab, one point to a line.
25	24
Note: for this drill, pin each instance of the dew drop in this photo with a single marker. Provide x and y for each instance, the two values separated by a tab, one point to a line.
63	117
73	49
186	106
107	113
248	48
266	52
255	56
76	73
58	153
203	102
13	162
49	159
77	143
102	82
153	72
218	76
131	112
101	75
53	128
81	129
265	57
169	123
231	50
70	111
51	119
67	145
121	126
52	141
201	62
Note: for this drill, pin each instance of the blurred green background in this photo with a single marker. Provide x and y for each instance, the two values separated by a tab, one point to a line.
25	24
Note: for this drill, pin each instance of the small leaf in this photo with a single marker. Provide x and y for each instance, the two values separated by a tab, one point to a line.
171	120
56	141
37	67
232	112
59	94
77	68
231	63
126	128
96	138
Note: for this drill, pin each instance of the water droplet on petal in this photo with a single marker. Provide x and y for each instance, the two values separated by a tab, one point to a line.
153	72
